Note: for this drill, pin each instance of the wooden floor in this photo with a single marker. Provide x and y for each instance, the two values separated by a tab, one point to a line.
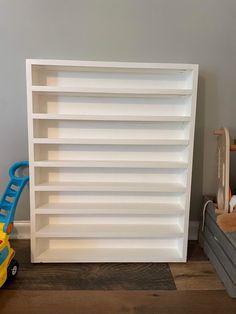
198	290
197	273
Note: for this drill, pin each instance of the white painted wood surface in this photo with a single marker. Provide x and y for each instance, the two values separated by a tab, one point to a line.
110	151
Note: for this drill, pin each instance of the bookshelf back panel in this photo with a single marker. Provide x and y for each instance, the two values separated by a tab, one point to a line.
110	130
47	152
107	197
80	105
112	175
103	77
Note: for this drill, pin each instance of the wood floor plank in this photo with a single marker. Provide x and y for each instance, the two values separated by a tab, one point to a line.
114	302
195	275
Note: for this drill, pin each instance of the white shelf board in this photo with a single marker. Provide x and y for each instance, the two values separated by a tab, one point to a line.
110	231
113	163
109	91
111	65
87	255
109	141
111	186
128	117
110	209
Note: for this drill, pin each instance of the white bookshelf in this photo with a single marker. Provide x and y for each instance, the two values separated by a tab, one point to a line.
110	151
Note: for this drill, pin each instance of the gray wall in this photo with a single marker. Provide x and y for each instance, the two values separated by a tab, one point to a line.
197	31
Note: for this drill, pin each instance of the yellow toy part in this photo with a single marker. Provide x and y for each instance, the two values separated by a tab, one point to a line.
8	266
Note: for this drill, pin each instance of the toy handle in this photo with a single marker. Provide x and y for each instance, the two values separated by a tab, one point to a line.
15	167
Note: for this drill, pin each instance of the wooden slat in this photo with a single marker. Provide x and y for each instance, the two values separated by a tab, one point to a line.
116	302
198	275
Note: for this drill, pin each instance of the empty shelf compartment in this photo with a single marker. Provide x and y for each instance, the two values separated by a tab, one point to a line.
109	226
109	250
114	108
111	208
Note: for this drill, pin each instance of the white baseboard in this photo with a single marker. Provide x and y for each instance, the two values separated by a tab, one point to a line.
22	230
